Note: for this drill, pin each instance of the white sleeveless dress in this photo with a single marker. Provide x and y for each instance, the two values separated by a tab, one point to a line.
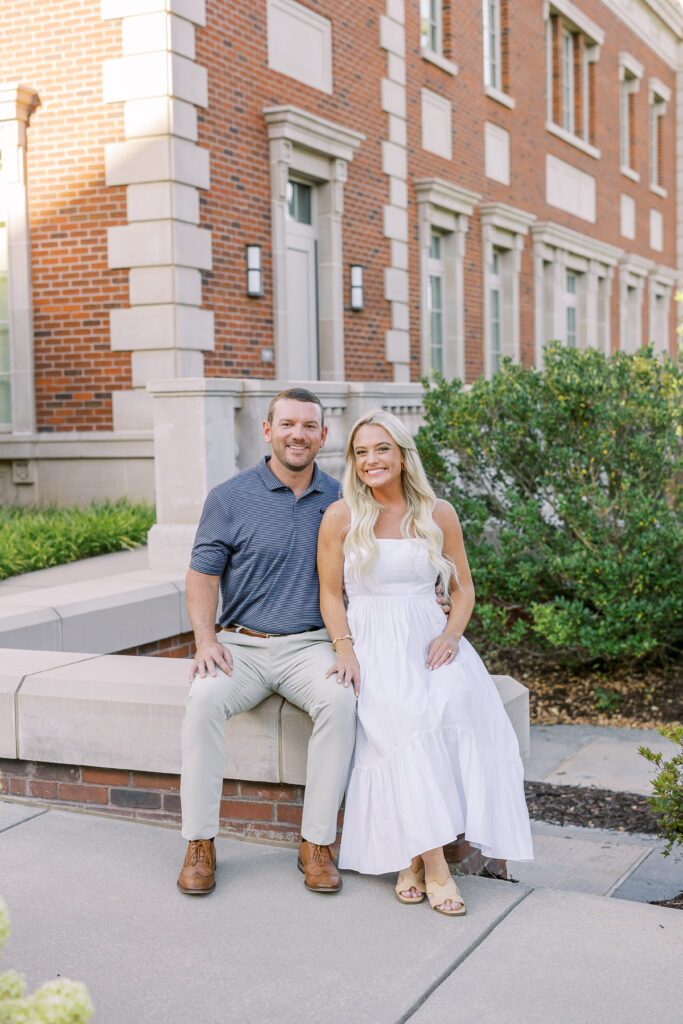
436	755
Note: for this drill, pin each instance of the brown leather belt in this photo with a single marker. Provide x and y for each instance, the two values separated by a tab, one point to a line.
247	632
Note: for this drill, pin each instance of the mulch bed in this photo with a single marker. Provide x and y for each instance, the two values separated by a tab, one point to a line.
632	696
590	808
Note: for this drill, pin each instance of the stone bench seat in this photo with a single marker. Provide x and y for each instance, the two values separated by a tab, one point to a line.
119	711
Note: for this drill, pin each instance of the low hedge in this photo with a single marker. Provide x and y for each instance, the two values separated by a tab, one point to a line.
568	486
38	537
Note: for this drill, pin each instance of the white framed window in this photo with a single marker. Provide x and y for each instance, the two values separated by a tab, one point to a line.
492	48
431	26
630	74
567	74
633	275
444	210
659	95
572	288
504	229
435	300
572	49
495	304
570	302
663	282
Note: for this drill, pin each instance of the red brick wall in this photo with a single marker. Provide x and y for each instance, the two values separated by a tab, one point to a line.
249	810
58	47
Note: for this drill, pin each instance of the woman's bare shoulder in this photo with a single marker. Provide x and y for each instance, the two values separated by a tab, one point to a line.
338	514
444	514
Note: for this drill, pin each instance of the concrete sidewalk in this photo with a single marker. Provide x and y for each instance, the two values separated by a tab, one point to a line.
94	899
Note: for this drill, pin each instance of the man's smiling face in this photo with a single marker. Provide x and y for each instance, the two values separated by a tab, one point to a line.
295	435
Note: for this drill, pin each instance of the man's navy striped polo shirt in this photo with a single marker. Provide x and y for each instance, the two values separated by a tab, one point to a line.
262	542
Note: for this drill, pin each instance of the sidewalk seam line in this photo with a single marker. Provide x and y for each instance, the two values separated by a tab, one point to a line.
631	869
23	821
412	1010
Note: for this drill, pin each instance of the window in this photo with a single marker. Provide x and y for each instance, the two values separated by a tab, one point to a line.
504	229
496	62
431	25
567	81
633	274
660	95
572	50
5	367
630	74
444	210
572	288
494	310
570	307
662	282
492	75
299	202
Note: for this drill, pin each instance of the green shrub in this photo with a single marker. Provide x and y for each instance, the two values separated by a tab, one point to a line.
667	803
568	486
35	538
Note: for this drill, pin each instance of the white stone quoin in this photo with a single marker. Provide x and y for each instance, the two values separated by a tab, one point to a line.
160	85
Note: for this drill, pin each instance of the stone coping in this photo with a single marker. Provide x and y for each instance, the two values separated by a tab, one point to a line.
97	615
119	711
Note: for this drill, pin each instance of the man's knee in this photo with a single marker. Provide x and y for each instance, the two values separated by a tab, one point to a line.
336	704
207	696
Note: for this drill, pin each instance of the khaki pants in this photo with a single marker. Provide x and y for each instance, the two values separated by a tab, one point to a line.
293	666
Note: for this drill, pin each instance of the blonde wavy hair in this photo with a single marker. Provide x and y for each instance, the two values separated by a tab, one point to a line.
360	544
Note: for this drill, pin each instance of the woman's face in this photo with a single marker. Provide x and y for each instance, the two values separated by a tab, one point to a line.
377	456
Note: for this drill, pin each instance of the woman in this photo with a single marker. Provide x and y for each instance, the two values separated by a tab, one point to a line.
436	755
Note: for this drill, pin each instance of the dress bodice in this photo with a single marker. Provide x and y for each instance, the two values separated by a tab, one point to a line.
401	569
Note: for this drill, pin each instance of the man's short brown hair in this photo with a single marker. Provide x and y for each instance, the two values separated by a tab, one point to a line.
297	395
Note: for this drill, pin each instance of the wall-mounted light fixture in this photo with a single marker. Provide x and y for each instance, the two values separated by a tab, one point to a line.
357	298
254	270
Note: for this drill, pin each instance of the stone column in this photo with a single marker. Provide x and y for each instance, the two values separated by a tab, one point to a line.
195	448
160	163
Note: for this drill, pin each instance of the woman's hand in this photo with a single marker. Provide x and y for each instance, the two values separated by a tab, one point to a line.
442	650
348	671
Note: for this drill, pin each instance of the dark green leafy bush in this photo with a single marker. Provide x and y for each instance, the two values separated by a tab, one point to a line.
35	538
568	486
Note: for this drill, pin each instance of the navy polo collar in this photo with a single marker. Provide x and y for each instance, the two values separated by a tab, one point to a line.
274	484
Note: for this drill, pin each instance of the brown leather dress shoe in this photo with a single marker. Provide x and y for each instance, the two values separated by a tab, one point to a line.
198	875
320	872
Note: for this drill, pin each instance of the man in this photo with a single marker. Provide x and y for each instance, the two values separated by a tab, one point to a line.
257	538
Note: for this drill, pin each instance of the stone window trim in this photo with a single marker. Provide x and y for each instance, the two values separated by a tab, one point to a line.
318	151
634	272
505	228
630	75
17	104
499	91
662	283
444	207
441	55
562	16
563	249
659	96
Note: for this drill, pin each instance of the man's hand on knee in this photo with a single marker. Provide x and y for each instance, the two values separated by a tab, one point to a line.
210	657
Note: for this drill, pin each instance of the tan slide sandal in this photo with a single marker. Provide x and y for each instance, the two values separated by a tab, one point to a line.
438	894
407	880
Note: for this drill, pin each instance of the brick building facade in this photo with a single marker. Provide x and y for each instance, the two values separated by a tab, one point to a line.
489	175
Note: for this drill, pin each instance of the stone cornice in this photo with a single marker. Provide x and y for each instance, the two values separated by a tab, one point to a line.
548	233
446	196
312	132
506	218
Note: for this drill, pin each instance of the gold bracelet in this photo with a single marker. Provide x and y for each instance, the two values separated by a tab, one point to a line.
347	636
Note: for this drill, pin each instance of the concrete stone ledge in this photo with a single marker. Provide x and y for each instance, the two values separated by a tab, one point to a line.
123	712
96	616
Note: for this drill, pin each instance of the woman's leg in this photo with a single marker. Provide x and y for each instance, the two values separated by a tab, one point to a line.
437	870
